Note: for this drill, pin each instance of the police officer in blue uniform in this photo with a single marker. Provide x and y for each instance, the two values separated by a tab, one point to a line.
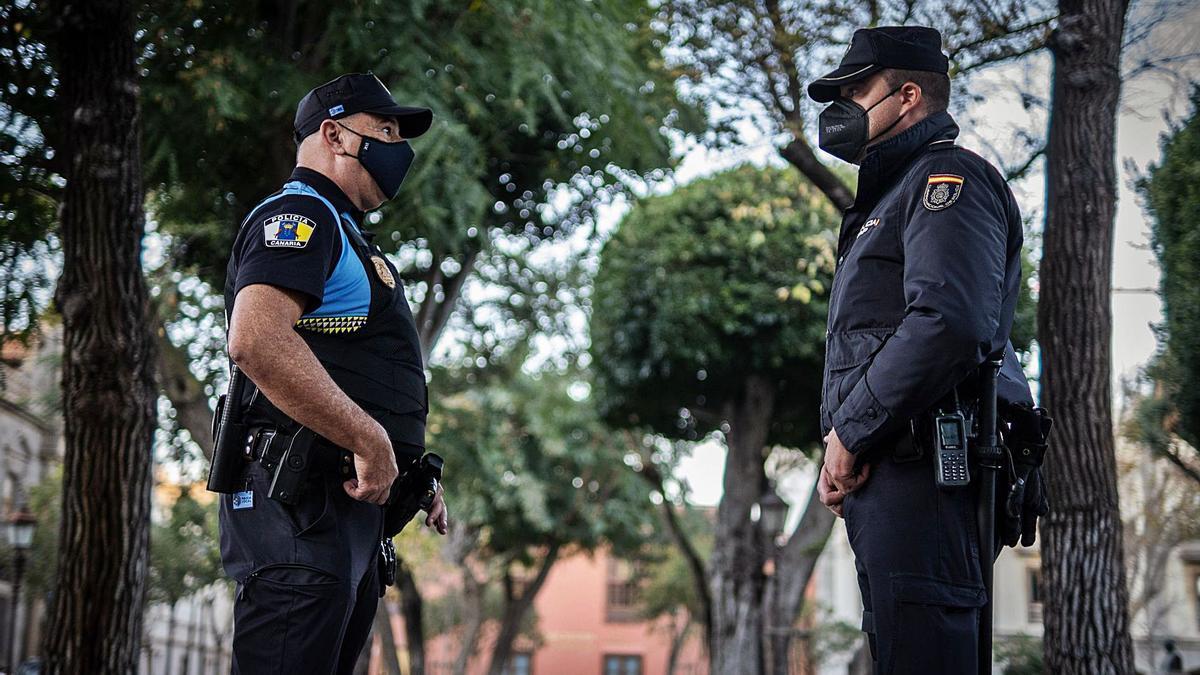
319	324
925	290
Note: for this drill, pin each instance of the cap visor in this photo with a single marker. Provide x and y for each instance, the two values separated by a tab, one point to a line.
412	121
827	88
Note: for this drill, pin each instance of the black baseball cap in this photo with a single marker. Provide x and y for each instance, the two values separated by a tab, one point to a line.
874	49
355	93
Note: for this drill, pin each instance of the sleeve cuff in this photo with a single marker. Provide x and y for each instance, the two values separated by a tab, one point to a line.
861	418
314	295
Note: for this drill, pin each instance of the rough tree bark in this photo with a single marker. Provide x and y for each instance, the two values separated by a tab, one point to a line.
1086	608
109	394
736	579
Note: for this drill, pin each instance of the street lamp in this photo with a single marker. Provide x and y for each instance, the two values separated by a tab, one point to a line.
21	524
773	516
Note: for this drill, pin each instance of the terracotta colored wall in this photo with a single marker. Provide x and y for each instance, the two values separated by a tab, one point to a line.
574	631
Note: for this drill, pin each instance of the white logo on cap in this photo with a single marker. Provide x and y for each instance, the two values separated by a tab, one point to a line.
336	110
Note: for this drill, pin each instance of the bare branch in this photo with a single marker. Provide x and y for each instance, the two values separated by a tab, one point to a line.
800	155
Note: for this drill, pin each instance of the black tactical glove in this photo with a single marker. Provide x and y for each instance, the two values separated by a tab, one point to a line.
1025	435
1023	505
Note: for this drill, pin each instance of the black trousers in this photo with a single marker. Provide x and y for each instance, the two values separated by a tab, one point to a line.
307	579
916	551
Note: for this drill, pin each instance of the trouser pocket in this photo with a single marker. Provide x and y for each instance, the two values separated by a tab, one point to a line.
288	619
936	625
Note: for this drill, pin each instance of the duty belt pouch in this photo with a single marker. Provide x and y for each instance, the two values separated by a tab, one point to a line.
908	446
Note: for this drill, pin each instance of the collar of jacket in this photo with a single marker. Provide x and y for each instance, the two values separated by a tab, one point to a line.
885	163
329	190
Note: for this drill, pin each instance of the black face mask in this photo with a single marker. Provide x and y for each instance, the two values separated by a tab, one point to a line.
844	125
386	163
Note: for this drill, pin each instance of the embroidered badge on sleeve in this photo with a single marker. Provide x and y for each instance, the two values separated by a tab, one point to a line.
287	230
942	191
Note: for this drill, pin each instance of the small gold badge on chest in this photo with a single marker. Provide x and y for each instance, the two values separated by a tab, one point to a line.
385	274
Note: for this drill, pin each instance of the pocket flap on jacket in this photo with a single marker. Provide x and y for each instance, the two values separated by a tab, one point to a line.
851	348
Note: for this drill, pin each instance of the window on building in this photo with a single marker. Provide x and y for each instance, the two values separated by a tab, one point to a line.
520	663
622	596
1034	584
622	664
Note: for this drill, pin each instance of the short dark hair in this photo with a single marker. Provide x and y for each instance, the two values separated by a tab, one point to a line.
935	87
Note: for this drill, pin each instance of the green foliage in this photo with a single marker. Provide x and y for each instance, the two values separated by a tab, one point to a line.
724	277
29	185
527	95
1171	191
1020	655
184	557
531	466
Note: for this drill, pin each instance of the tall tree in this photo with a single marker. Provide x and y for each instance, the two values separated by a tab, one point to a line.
1086	607
709	316
109	393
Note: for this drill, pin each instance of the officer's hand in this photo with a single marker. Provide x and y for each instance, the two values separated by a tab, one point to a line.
438	516
839	463
375	468
830	496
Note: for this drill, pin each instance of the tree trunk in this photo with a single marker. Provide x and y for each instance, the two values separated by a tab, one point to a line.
1086	608
473	599
797	561
411	606
736	579
678	640
391	663
699	575
514	614
108	388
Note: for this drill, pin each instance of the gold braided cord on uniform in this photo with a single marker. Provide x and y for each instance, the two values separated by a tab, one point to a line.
332	324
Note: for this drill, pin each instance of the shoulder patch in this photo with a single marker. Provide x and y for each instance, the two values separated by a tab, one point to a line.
942	190
287	230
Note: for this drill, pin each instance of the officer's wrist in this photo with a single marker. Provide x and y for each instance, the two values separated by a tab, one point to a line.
370	438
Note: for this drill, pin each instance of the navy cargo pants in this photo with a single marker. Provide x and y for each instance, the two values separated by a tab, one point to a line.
916	550
307	580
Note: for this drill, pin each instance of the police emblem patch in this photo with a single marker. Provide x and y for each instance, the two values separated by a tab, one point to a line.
874	222
287	230
942	191
385	274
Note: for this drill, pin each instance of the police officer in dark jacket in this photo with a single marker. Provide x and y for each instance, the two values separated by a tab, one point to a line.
928	271
319	323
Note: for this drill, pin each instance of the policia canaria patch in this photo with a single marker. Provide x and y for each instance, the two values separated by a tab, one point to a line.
287	230
942	191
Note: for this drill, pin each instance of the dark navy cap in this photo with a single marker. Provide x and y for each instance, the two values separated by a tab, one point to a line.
355	93
874	49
